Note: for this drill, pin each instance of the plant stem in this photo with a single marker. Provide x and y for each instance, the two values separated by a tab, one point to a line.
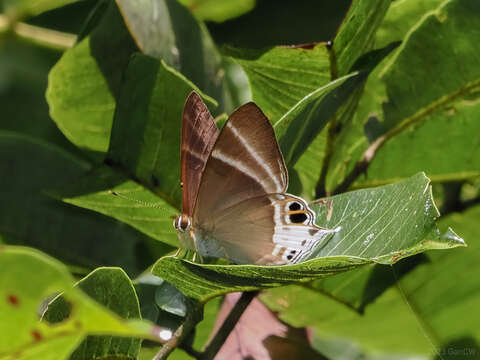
320	188
229	323
41	36
182	331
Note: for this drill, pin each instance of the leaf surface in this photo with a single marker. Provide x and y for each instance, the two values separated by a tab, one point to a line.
33	277
369	226
425	306
112	288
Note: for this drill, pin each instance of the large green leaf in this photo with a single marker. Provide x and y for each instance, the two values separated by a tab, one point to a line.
298	127
145	212
432	307
361	287
146	133
430	111
357	33
399	98
30	168
379	225
280	77
85	83
112	288
31	279
167	30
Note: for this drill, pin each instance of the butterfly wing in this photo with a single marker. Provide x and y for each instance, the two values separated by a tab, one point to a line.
273	229
245	163
199	133
241	211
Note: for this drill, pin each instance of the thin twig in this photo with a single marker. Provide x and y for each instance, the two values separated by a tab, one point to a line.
320	188
361	165
38	35
193	317
228	325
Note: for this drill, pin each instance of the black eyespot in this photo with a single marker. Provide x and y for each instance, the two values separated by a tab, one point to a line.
294	206
298	218
289	257
293	251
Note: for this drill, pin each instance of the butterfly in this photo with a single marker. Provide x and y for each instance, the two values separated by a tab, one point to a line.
234	200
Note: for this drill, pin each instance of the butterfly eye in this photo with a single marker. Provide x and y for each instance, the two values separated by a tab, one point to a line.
181	223
294	206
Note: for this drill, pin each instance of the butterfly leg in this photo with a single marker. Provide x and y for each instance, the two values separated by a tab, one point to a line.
200	258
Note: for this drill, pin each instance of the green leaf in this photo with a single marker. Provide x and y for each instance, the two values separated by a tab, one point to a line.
357	33
218	10
145	212
430	112
85	83
32	277
169	299
33	168
308	167
167	30
298	127
147	127
279	77
399	101
112	288
361	287
309	116
203	282
379	225
382	220
425	306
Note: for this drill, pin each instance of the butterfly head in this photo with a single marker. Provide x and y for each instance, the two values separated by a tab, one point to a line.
182	223
186	235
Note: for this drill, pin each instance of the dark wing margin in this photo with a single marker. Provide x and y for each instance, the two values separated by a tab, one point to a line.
199	133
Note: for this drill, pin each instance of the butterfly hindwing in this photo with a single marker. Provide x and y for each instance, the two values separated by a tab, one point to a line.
273	229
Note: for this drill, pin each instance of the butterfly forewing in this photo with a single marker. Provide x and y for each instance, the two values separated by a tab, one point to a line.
199	133
245	163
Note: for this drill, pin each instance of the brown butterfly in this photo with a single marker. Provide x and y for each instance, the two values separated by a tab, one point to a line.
234	200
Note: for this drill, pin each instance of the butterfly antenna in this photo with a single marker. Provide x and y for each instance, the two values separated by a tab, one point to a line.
144	203
425	330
